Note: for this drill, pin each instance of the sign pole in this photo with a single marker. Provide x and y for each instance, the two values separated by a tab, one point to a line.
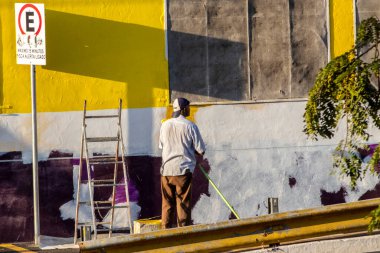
31	50
36	207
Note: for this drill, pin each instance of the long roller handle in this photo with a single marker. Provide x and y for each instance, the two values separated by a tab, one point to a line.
218	191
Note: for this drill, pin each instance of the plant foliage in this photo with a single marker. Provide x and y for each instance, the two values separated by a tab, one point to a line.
347	90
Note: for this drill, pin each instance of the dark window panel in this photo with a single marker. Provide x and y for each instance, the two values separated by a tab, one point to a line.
208	54
270	56
308	44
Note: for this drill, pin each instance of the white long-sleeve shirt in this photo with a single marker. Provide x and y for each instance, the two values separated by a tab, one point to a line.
179	139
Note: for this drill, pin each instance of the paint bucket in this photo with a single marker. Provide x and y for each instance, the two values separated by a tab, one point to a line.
85	233
272	205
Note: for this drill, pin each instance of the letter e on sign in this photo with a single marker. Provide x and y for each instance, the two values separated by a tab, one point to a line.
30	33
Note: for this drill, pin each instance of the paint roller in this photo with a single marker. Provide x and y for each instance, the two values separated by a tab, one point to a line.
218	191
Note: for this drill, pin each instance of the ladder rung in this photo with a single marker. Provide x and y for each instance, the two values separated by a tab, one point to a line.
95	202
103	202
105	162
105	158
100	181
103	229
102	207
110	207
103	182
105	185
86	223
102	139
127	206
97	181
101	116
102	222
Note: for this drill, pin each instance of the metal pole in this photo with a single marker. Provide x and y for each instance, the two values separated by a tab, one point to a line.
35	158
220	194
328	21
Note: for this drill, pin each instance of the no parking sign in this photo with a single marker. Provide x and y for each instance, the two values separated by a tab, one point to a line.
30	49
30	34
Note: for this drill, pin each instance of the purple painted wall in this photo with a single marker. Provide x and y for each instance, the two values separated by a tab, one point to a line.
56	188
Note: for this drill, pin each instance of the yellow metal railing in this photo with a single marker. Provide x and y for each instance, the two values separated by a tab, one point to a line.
260	231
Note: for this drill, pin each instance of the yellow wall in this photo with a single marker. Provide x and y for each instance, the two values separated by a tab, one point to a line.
103	50
341	26
99	50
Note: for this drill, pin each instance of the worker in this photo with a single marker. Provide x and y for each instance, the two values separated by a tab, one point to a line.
180	141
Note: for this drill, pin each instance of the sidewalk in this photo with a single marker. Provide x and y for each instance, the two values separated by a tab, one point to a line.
47	244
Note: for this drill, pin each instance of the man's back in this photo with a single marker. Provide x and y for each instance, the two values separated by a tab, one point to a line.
179	138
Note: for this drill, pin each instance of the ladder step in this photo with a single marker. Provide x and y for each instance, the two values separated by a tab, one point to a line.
95	202
86	223
103	183
102	207
102	139
105	159
102	229
102	202
105	162
109	207
97	181
109	185
101	116
102	222
100	181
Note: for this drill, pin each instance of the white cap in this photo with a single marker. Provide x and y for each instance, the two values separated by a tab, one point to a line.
180	104
176	106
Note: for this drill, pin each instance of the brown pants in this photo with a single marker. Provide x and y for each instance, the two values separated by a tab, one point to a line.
176	191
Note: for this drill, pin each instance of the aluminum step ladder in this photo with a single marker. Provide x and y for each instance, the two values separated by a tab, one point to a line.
94	162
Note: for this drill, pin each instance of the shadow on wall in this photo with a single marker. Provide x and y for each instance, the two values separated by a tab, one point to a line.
128	53
209	69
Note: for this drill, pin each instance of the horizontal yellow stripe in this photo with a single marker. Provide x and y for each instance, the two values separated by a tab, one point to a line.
15	248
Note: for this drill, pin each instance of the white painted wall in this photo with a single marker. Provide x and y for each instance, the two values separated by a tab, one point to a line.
62	131
253	149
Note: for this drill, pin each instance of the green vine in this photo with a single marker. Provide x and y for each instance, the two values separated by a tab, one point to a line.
347	90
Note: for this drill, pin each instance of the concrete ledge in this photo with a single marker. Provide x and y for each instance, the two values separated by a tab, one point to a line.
362	244
251	232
